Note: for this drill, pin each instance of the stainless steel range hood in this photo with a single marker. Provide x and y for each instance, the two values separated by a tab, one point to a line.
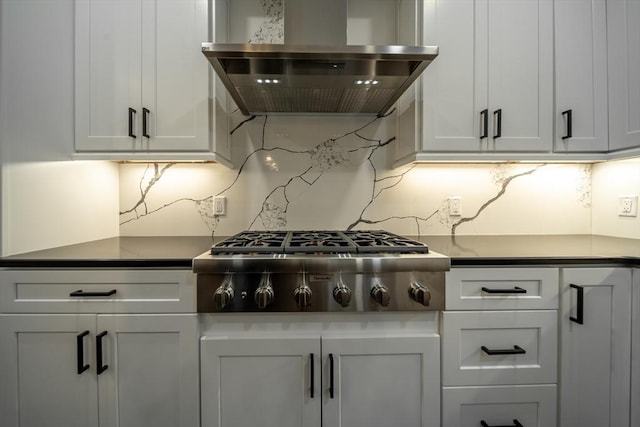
308	77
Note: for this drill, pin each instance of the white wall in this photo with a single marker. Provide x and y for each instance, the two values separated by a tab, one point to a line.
610	181
47	200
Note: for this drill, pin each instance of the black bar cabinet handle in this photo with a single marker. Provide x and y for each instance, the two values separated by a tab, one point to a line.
132	118
580	309
331	389
145	122
515	290
484	119
497	117
515	350
311	375
567	114
81	293
516	423
80	352
101	368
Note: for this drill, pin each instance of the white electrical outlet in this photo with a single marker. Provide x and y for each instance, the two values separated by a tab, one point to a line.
219	205
455	205
628	206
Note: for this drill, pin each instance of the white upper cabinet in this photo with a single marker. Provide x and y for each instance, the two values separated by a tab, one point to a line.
490	89
142	83
623	36
581	76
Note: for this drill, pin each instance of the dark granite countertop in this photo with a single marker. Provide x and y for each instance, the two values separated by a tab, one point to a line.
536	249
117	252
177	252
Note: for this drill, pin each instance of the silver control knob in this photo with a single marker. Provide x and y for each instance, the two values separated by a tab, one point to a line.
380	294
223	296
302	295
264	294
342	294
419	293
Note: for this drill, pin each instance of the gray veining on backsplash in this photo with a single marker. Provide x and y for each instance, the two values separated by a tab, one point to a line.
276	173
502	179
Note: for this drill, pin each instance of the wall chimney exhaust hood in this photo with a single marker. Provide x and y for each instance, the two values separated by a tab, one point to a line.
319	72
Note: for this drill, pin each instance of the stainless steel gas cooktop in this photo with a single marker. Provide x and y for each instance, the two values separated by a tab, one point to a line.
281	271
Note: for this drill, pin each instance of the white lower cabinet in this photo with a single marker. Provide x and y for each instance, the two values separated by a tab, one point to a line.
39	380
526	406
81	369
596	347
500	347
635	351
141	370
315	381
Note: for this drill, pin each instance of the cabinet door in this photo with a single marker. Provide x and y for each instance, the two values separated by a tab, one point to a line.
623	37
270	382
151	379
596	355
107	71
381	382
175	85
581	75
635	351
455	84
520	74
39	380
495	65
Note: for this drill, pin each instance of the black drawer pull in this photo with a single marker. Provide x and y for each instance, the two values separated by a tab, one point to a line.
81	293
331	385
145	122
132	118
580	309
515	350
567	114
516	423
101	368
515	290
484	121
497	119
311	375
80	352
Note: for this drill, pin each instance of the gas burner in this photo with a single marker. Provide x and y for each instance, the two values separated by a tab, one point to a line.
383	241
319	242
252	241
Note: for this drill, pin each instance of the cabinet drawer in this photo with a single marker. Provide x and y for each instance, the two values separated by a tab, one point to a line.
97	291
532	406
502	289
499	347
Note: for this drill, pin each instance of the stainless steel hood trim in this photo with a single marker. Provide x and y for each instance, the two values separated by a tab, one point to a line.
217	53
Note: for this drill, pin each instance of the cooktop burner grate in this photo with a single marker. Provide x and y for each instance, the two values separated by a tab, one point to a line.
322	242
252	241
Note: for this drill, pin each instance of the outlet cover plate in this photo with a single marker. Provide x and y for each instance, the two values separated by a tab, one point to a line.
628	206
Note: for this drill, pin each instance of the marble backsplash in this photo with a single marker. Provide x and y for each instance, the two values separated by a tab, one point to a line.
299	172
305	172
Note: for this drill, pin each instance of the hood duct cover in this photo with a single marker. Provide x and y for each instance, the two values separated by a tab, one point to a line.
274	78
